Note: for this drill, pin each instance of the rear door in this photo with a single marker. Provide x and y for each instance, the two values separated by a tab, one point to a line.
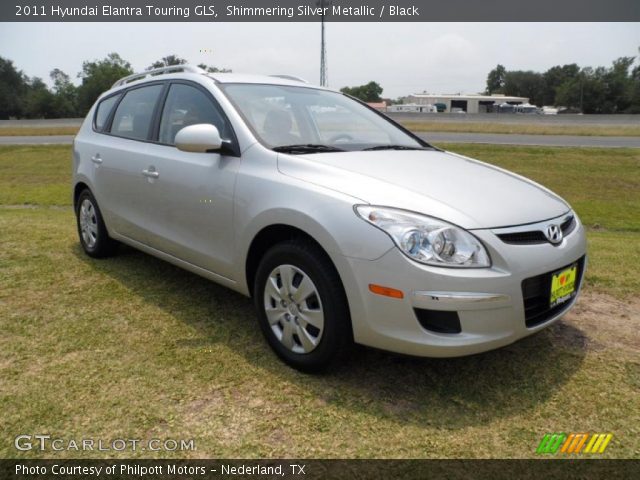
192	196
121	156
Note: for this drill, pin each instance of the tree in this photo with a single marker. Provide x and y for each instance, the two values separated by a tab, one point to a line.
592	90
495	80
98	76
167	61
635	89
619	85
38	101
367	93
211	69
65	95
13	87
586	92
528	84
556	76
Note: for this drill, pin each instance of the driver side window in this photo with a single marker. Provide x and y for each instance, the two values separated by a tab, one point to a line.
187	105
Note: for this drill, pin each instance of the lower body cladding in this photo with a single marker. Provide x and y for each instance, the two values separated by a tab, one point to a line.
450	312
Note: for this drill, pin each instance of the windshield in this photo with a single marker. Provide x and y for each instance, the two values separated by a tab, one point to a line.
312	119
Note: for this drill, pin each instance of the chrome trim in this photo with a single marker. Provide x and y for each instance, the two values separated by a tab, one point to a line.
540	226
459	301
466	297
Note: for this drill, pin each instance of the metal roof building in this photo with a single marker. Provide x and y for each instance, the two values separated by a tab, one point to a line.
466	103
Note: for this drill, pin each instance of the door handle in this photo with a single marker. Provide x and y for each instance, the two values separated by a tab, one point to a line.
96	159
150	173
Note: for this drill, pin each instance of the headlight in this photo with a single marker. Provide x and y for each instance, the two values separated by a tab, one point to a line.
427	240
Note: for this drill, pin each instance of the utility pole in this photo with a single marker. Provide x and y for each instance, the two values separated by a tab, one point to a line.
324	76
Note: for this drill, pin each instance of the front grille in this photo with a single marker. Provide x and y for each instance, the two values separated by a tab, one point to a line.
524	238
536	291
534	237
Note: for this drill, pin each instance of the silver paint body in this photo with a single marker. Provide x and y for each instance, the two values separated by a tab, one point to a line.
201	211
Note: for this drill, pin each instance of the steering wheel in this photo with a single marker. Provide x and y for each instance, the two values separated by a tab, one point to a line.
340	137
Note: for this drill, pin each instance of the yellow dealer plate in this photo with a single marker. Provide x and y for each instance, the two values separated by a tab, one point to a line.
563	285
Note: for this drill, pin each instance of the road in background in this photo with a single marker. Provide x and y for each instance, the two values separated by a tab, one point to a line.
506	118
37	140
41	122
434	138
619	120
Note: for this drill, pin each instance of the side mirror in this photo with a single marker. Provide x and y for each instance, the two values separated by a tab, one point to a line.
200	138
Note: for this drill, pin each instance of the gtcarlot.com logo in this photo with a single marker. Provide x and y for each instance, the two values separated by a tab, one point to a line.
574	443
49	443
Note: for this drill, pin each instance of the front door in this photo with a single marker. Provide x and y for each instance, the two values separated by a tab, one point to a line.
191	194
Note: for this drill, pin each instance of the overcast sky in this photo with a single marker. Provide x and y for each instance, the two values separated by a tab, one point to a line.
404	58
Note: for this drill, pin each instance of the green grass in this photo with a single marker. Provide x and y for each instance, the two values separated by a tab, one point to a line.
35	175
133	347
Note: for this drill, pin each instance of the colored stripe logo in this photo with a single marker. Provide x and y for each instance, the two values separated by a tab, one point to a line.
574	443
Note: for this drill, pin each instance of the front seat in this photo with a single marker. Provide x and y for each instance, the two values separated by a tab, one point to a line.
277	128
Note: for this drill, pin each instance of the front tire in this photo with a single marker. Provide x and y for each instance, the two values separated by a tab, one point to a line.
302	308
92	231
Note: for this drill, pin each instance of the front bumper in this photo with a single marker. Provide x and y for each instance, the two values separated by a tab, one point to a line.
489	302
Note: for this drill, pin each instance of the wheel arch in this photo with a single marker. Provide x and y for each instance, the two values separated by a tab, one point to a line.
277	233
77	190
269	236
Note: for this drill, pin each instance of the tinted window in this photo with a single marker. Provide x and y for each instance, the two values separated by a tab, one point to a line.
186	105
133	115
103	111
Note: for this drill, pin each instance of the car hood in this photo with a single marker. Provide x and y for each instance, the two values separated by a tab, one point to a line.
460	190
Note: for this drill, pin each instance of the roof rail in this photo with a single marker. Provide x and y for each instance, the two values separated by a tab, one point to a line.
290	77
158	71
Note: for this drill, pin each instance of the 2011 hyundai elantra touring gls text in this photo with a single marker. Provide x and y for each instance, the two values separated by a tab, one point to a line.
341	225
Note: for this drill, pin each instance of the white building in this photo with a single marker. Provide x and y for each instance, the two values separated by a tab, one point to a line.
466	103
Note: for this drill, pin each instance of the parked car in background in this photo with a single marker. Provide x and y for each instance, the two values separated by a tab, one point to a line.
549	110
527	108
340	224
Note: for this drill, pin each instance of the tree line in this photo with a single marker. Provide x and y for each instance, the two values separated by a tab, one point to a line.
30	97
614	89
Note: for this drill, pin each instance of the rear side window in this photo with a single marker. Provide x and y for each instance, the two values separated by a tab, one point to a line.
135	112
186	105
103	111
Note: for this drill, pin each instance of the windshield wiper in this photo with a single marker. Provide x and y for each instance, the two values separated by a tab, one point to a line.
306	148
393	147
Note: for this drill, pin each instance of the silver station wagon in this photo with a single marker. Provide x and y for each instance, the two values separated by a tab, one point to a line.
340	224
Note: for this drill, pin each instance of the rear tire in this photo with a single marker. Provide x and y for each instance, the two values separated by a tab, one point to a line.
92	231
302	308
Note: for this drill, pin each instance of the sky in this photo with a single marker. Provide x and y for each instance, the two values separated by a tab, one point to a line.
404	58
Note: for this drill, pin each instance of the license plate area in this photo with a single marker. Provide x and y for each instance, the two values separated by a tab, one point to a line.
563	285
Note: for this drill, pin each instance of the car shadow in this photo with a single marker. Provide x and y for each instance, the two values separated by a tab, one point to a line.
450	393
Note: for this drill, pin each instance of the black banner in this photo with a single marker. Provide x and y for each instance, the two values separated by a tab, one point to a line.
314	10
317	469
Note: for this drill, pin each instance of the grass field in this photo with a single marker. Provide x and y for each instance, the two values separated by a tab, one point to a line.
425	126
132	347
